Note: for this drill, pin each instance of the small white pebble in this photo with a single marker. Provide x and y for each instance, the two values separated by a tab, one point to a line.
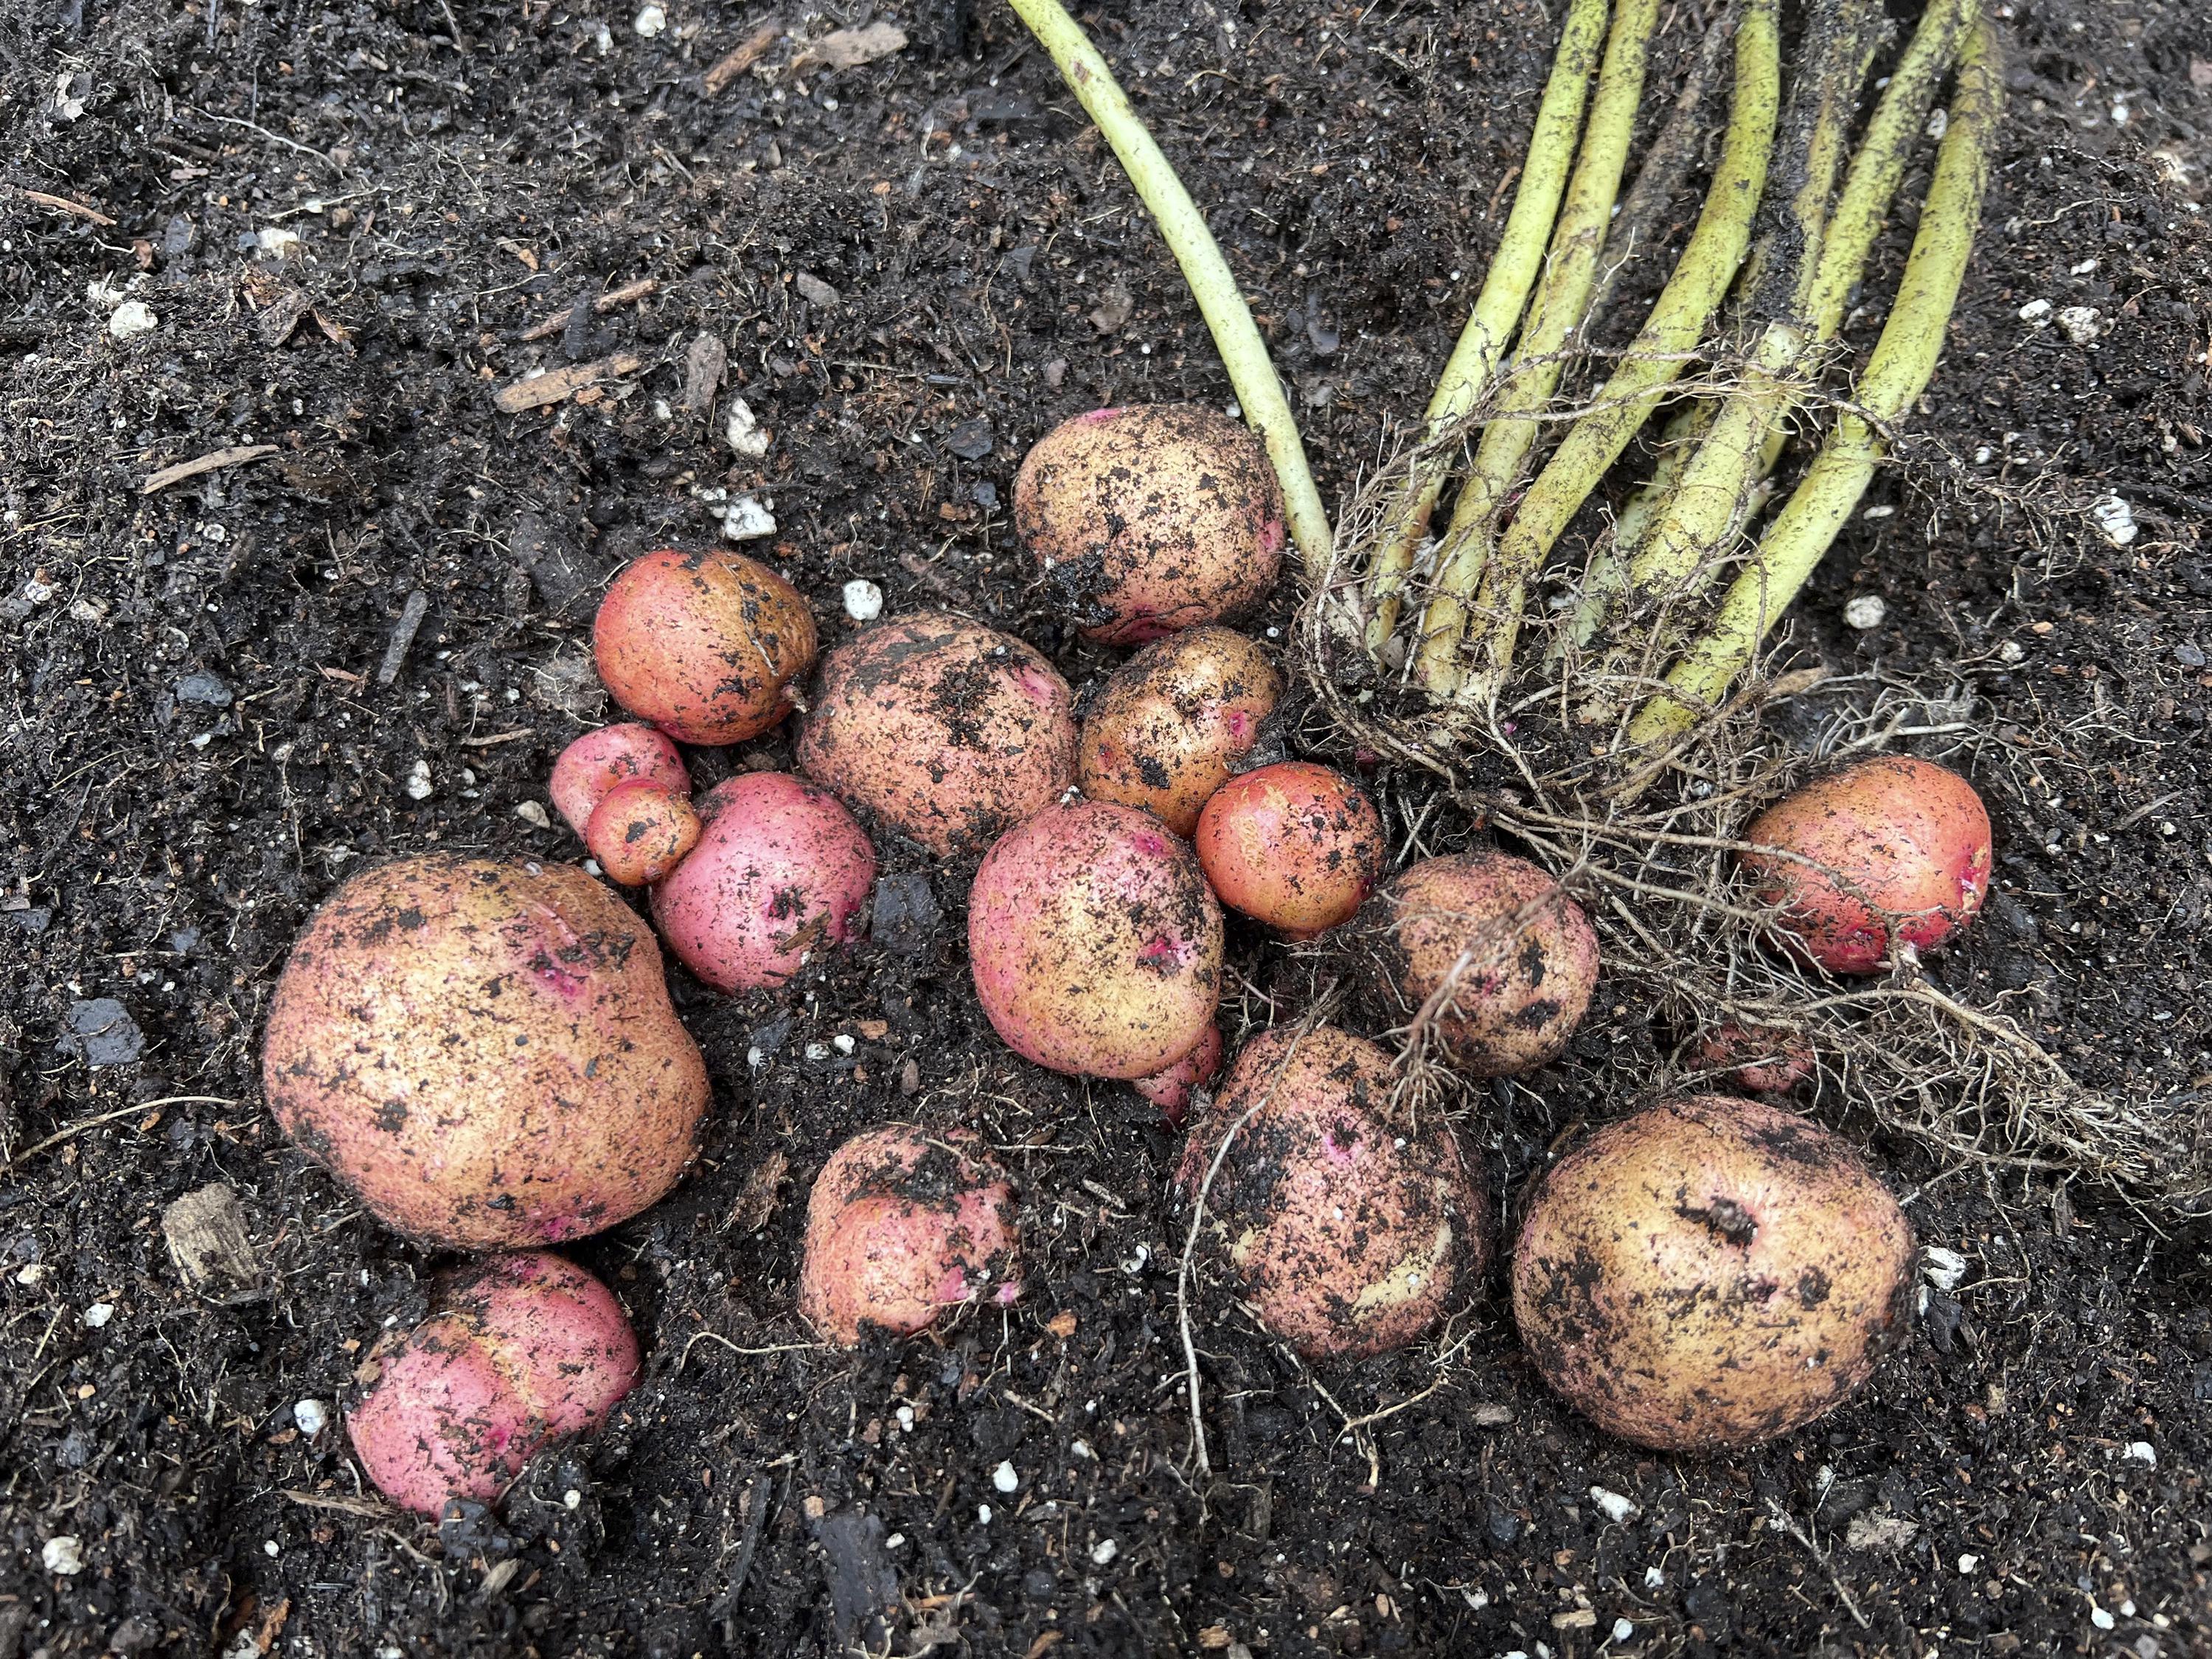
2127	1609
572	1499
2100	1618
270	1547
131	318
1939	123
2011	651
1943	1267
843	1044
98	1314
1080	1448
1983	454
2082	324
418	786
905	1412
312	1416
1617	1508
64	1554
1653	1577
1866	611
651	20
1622	1630
2084	268
33	1274
1885	511
1104	1551
743	431
894	1541
864	600
2143	1452
983	1514
534	815
1968	1562
2115	520
2035	311
746	521
1005	1478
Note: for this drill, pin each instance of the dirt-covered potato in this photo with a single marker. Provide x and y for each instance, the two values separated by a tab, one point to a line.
521	1351
1712	1271
703	644
1170	1090
1152	519
591	767
1488	952
1170	724
942	728
1294	845
1887	851
780	873
640	831
1095	945
485	1052
1351	1234
903	1224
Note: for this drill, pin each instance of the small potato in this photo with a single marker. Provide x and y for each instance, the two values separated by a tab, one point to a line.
1760	1060
1174	720
522	1351
485	1052
780	873
640	832
1170	1090
703	645
1351	1236
597	760
1294	845
1712	1271
1153	518
1095	945
903	1224
1490	951
1887	853
945	730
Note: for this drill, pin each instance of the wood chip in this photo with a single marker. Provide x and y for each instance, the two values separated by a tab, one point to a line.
558	385
403	636
498	737
282	315
215	461
206	1234
756	1202
816	292
731	64
844	49
704	362
627	293
62	204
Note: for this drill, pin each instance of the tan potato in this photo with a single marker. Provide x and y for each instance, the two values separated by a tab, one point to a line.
485	1052
1172	722
945	729
1153	518
1351	1236
1294	845
702	644
1712	1271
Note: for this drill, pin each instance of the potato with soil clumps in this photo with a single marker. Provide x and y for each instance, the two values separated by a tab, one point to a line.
902	1224
1351	1234
521	1351
1485	951
640	831
1887	854
703	645
945	730
1171	724
485	1052
1712	1271
1293	845
592	768
1095	945
1152	519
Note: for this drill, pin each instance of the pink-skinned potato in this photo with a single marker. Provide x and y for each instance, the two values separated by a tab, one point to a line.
520	1351
1294	845
1888	851
1760	1060
485	1052
902	1224
1350	1234
781	874
640	832
1095	945
596	762
1171	1090
1171	723
1710	1272
945	730
704	645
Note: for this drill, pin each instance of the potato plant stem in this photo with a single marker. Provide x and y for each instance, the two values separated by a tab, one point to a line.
1513	271
1904	361
1236	336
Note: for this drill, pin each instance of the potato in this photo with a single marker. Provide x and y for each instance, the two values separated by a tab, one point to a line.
1760	1060
703	645
945	730
1095	945
522	1351
1151	520
1712	1271
597	760
640	831
1294	845
903	1224
1351	1234
1170	1090
1518	956
485	1052
1174	720
1887	853
782	874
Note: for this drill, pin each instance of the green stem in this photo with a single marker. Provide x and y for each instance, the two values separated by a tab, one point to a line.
1244	352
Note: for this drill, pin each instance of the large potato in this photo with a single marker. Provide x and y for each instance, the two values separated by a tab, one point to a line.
1153	518
1712	1271
1173	722
1351	1234
945	729
702	644
485	1052
1095	945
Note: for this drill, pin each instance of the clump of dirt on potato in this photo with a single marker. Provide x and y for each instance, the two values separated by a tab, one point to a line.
1295	846
703	644
1171	724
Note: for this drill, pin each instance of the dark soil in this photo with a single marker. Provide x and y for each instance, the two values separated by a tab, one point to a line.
911	270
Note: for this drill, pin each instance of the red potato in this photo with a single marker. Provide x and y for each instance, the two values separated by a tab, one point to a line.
781	872
1712	1271
522	1351
1350	1236
704	645
947	731
1174	720
1095	945
1490	949
1170	1090
640	832
1760	1060
1887	853
485	1052
1294	845
902	1224
597	760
